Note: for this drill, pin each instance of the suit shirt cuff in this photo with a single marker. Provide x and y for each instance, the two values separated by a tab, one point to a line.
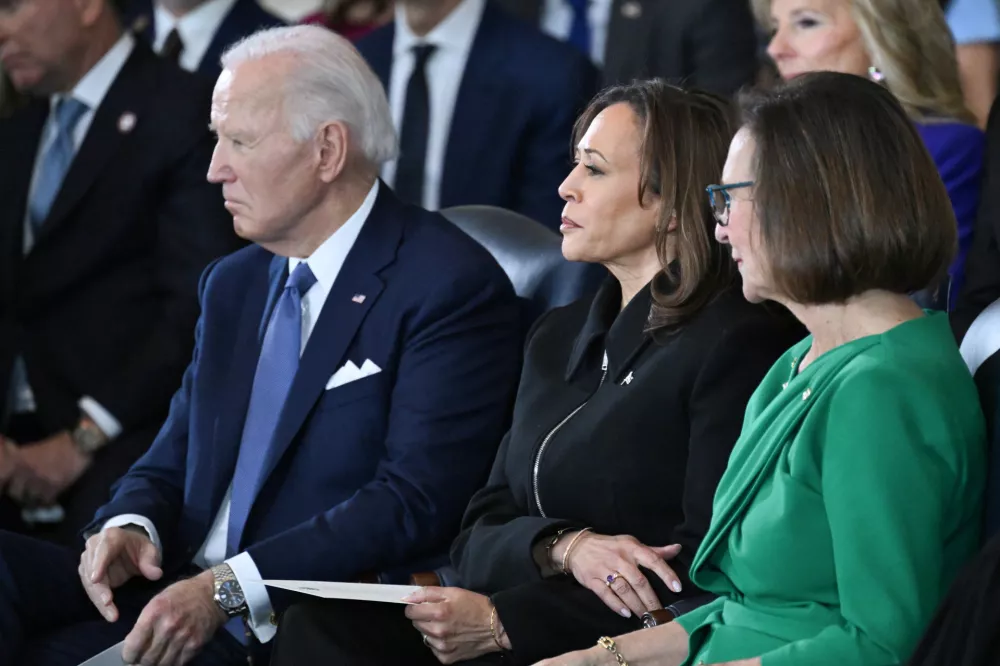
108	424
255	592
140	521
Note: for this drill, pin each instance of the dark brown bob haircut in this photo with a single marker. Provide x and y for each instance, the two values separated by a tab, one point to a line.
684	139
847	197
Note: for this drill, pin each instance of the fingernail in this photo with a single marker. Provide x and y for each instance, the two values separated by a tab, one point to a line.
676	586
626	612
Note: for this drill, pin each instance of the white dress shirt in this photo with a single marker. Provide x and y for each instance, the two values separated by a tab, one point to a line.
197	29
325	263
453	38
557	20
90	90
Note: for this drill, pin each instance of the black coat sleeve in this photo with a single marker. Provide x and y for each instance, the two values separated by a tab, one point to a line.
982	268
493	551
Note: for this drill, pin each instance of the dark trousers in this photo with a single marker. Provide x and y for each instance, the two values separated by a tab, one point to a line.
46	619
353	633
89	493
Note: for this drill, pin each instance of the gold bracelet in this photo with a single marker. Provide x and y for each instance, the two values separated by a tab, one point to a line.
493	628
609	645
569	549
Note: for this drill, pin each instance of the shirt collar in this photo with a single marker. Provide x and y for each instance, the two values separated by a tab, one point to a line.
197	27
456	32
94	85
329	257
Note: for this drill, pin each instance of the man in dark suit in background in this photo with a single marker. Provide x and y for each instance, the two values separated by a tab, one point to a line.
484	105
982	268
355	462
106	222
709	44
194	33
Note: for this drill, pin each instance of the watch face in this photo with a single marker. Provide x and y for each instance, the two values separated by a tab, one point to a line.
230	595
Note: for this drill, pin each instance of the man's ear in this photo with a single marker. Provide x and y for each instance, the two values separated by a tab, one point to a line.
333	141
90	11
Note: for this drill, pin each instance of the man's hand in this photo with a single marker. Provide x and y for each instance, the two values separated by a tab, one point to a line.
176	624
455	623
9	460
46	469
113	557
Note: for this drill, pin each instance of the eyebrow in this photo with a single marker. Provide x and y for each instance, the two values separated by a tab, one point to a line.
594	151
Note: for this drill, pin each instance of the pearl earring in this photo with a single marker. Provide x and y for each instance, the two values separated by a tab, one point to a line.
875	74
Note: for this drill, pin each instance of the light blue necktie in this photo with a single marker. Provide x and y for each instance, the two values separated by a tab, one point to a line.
579	30
276	368
279	360
56	160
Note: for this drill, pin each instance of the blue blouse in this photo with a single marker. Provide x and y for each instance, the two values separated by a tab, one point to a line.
958	150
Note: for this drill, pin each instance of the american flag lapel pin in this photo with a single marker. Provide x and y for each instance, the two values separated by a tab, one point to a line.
358	298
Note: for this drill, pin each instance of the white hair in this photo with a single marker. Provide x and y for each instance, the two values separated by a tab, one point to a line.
329	82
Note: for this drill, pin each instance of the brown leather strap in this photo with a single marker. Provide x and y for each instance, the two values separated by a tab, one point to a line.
656	618
425	579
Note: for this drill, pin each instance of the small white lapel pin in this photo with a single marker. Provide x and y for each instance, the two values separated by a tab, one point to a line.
628	378
126	123
631	10
358	298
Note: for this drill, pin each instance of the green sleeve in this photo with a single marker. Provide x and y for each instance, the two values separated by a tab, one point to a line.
891	458
694	619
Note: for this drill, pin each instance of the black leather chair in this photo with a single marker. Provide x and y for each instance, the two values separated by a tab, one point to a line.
980	348
531	255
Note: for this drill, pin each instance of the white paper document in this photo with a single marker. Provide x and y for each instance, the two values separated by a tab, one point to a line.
391	594
110	657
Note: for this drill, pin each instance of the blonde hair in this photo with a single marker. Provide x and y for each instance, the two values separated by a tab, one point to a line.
910	43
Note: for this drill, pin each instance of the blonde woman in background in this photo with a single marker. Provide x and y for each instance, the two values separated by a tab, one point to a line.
907	46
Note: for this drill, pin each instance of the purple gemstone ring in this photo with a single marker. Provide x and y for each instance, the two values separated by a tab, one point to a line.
612	578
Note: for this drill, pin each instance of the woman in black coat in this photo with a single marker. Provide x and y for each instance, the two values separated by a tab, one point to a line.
624	420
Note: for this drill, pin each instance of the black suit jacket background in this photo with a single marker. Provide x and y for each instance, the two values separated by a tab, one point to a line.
106	301
982	267
709	44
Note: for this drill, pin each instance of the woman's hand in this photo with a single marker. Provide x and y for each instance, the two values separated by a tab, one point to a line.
597	559
455	623
591	657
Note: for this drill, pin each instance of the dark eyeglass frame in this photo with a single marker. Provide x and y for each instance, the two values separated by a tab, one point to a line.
720	207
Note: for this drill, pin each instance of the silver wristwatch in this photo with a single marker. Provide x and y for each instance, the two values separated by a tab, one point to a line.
228	593
88	437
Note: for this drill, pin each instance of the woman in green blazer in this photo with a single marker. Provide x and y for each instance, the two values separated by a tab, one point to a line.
854	492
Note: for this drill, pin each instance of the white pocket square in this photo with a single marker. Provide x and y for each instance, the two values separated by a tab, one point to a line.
352	373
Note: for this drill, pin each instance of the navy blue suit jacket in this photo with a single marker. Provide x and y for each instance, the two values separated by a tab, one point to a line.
245	18
511	131
371	476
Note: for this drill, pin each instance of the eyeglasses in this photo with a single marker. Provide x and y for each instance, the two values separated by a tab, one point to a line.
720	199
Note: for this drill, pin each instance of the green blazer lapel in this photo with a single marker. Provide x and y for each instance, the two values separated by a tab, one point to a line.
774	414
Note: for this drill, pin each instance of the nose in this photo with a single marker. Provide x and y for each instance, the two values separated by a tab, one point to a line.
722	234
568	189
219	170
779	48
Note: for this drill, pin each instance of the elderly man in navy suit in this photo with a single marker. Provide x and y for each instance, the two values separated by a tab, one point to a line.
352	376
194	33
